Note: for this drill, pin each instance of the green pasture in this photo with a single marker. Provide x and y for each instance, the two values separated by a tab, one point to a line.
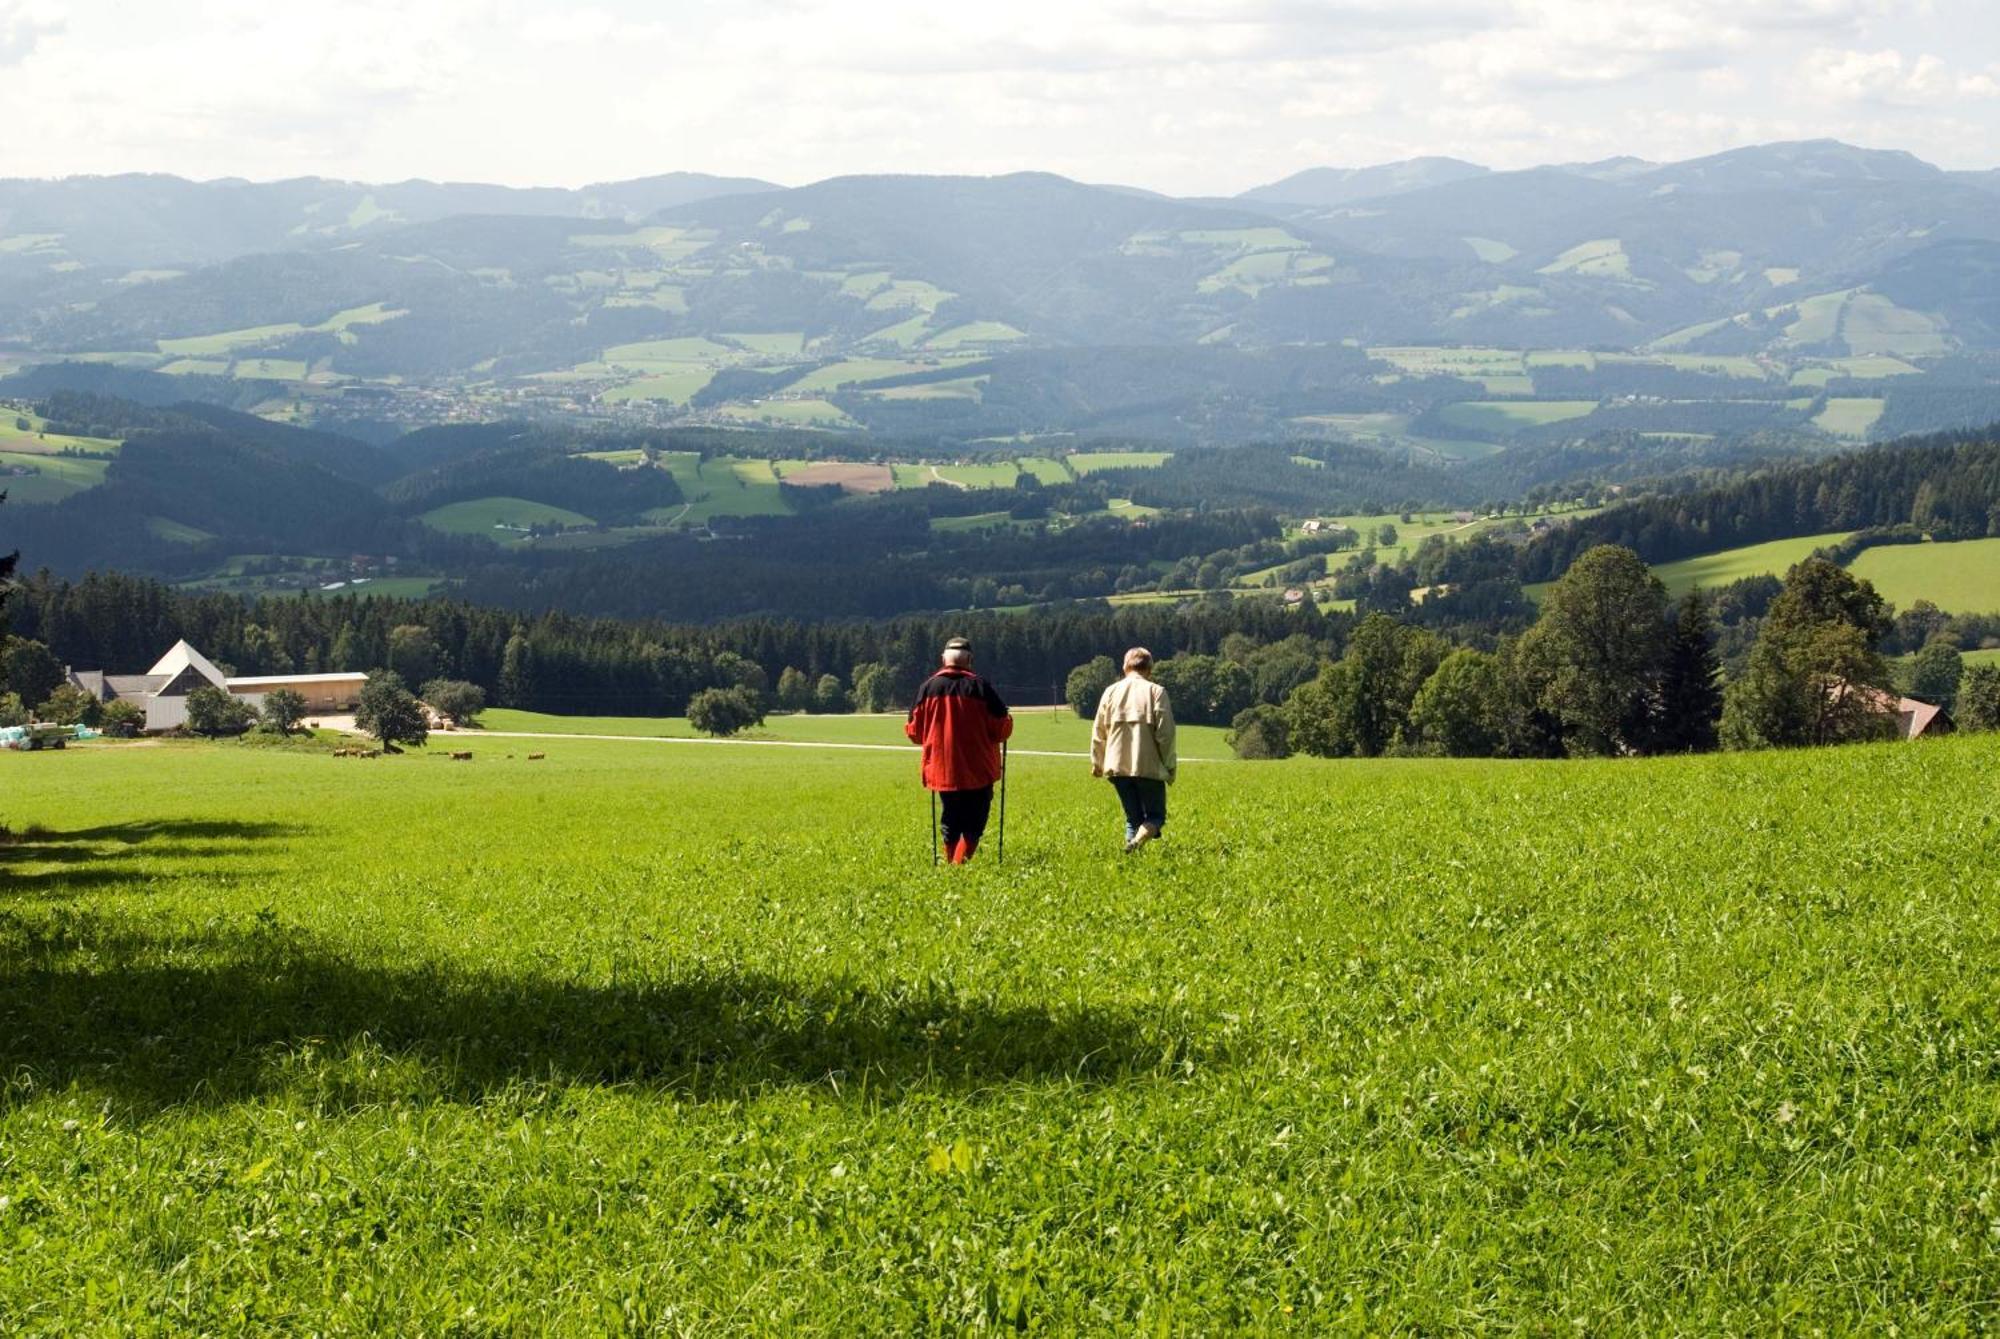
1083	463
661	355
904	334
678	386
720	486
1775	558
849	371
810	413
177	532
693	1038
1510	416
1873	324
782	344
1602	258
37	440
1962	577
499	518
1848	416
974	333
269	369
54	477
959	388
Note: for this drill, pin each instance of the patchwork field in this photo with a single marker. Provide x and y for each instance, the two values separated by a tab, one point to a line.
645	1036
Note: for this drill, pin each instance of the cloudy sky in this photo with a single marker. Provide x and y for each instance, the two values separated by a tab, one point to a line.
1188	96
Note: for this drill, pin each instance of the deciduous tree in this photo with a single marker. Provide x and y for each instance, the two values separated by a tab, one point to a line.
1936	675
1460	710
1593	657
390	712
1815	676
1086	684
456	700
283	710
214	711
724	711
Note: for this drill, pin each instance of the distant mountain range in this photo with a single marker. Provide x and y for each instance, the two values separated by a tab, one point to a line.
631	288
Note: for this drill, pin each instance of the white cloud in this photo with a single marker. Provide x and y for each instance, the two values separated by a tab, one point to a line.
1890	78
1200	96
23	25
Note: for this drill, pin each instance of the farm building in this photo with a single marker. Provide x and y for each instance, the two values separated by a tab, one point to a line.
162	691
1915	719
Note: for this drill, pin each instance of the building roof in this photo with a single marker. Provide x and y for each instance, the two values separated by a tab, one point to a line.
90	681
1917	717
184	657
135	685
282	680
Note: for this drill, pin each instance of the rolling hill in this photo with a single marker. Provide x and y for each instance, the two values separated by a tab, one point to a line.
1737	253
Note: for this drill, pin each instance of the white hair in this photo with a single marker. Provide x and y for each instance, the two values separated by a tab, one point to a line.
958	657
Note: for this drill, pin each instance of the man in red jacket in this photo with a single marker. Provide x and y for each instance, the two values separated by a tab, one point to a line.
960	721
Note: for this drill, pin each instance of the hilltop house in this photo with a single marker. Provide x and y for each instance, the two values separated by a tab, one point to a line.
162	691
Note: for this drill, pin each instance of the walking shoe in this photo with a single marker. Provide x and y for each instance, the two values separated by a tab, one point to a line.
1141	837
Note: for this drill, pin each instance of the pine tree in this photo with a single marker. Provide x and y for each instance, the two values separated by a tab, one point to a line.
1690	701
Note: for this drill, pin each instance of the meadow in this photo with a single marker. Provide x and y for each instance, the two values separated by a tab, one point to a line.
499	518
1774	558
696	1039
1962	577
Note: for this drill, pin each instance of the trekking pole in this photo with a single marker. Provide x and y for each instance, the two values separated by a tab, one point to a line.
934	850
1002	852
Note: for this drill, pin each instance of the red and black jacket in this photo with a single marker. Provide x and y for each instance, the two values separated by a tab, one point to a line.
960	721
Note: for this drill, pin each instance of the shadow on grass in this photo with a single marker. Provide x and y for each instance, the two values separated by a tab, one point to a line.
152	1025
41	860
154	1017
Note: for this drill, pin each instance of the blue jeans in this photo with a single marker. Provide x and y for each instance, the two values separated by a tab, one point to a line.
1145	801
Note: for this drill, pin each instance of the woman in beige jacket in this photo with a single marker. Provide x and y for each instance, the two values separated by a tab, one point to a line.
1133	744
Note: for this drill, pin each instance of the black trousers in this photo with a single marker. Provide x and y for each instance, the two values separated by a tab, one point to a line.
965	813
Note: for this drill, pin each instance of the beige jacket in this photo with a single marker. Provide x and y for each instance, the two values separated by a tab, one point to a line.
1134	734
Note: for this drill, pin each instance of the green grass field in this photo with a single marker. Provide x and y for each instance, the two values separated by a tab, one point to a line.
36	440
499	518
1096	462
54	477
695	1039
1963	577
677	386
1041	728
1849	416
792	413
178	532
1513	415
720	486
1754	560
